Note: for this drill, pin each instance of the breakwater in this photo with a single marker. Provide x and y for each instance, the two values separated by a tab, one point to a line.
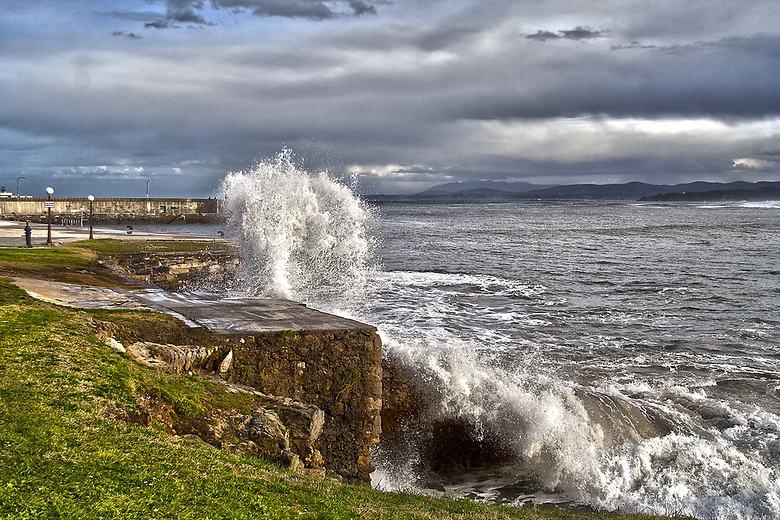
75	211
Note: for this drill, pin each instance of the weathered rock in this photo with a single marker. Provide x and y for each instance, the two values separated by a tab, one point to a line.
413	420
276	425
337	371
226	363
176	359
181	271
455	443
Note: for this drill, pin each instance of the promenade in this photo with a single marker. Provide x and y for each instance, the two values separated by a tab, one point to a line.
12	234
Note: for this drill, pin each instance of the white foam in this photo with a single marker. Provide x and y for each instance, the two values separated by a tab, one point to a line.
303	236
697	472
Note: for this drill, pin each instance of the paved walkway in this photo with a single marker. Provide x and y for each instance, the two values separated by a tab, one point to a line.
12	234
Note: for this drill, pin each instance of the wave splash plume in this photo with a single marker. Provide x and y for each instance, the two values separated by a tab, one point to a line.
302	236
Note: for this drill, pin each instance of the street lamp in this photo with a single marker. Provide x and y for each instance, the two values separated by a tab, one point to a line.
147	187
17	185
91	200
49	204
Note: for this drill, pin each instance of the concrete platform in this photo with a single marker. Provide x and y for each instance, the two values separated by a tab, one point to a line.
217	314
246	315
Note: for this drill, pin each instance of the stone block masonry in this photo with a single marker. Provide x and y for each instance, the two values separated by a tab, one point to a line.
339	371
113	210
219	268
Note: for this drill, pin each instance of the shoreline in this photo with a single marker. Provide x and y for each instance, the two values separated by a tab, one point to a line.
377	498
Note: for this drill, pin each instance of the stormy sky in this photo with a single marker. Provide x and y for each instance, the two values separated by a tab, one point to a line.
394	96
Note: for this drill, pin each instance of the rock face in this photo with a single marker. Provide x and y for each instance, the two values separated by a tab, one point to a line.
183	271
337	373
414	426
276	428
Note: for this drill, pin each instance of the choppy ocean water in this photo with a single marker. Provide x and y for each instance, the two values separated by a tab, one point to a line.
626	354
629	353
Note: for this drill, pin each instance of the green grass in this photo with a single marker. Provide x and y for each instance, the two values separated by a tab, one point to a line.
110	246
64	453
47	257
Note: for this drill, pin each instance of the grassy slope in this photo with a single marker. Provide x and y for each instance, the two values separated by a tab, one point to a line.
63	453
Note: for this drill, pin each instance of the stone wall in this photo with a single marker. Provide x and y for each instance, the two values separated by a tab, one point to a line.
219	269
114	210
338	371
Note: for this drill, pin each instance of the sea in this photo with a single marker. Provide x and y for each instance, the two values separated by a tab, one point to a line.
629	353
626	354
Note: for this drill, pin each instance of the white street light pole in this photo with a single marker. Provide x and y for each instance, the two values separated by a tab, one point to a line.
49	204
17	185
91	200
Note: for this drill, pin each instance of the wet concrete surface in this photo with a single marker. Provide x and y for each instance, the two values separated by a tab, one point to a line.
239	315
217	314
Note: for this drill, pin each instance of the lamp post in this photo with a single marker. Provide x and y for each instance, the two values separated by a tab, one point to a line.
49	204
147	187
91	200
17	185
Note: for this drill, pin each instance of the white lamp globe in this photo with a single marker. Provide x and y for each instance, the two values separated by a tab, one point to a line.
50	190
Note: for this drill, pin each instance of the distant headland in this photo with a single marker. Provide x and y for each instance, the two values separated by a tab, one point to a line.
494	191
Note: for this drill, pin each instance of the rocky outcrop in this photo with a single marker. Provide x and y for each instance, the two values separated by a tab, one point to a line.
276	428
336	373
219	268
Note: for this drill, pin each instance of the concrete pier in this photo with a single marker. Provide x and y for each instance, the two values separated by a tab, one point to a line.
278	347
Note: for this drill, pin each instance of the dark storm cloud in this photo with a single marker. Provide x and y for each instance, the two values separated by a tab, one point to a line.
312	9
578	33
161	24
189	11
132	36
359	7
186	16
288	9
582	33
184	11
542	36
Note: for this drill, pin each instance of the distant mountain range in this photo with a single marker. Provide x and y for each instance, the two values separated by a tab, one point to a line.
494	191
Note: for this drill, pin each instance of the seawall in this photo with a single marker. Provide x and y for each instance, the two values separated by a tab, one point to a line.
112	210
278	347
339	371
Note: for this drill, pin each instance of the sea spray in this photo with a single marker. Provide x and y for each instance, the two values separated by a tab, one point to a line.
629	447
303	236
492	343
